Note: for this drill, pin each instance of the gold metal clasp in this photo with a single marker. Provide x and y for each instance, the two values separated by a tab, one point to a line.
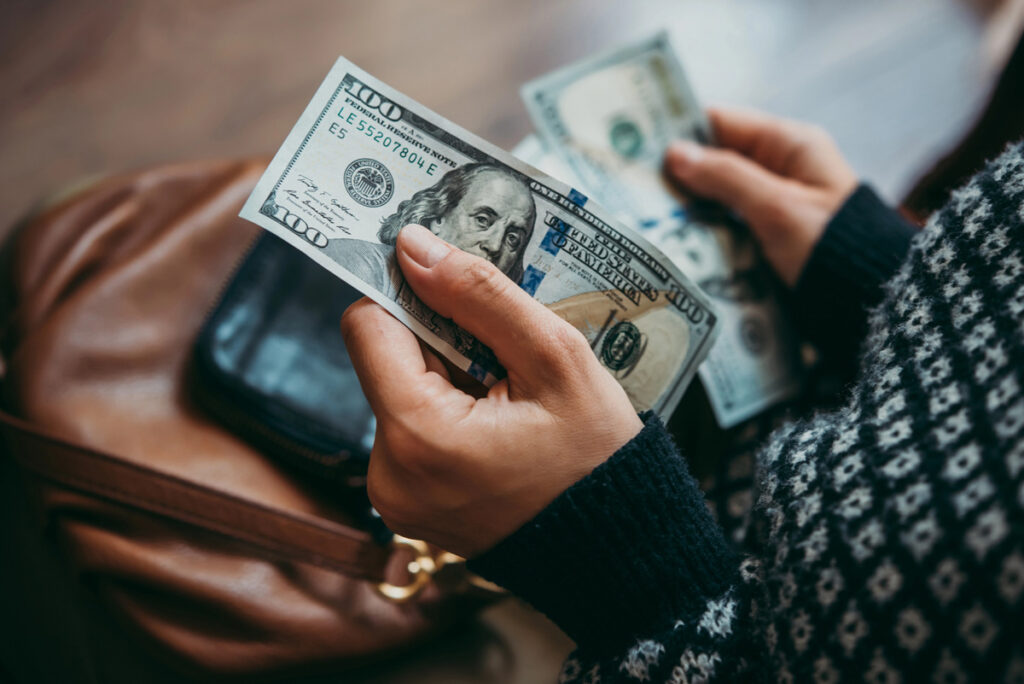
421	569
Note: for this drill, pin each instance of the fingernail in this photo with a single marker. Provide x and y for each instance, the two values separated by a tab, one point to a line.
683	154
425	248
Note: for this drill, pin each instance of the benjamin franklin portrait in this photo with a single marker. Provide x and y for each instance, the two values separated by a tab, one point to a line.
481	208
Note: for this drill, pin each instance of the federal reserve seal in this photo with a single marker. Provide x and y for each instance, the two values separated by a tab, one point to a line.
369	182
622	346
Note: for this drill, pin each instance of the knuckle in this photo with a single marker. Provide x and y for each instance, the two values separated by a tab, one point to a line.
390	505
480	278
412	445
399	437
809	138
776	211
723	169
424	408
389	493
565	347
818	134
569	339
384	494
415	461
722	161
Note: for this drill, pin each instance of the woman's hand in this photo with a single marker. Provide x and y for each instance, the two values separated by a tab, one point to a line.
464	472
786	179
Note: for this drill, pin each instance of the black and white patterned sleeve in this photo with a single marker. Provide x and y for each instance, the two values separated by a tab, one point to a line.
861	248
630	563
886	541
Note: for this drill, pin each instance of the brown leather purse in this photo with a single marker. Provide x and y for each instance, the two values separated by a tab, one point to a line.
210	553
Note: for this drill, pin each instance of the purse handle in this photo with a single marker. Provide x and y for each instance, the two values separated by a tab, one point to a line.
288	536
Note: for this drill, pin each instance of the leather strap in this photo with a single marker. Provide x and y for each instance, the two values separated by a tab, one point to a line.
283	535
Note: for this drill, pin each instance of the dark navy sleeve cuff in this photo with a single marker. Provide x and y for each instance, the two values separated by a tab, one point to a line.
628	550
863	245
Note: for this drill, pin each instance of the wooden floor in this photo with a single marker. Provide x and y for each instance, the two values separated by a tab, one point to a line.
95	88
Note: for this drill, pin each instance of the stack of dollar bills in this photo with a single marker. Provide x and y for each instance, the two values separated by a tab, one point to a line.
581	216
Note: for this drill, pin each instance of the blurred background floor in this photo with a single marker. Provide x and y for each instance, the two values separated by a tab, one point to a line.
96	88
93	88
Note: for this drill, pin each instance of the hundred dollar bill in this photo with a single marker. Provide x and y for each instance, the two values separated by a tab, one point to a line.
364	160
608	119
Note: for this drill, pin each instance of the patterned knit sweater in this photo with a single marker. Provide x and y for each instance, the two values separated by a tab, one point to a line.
886	539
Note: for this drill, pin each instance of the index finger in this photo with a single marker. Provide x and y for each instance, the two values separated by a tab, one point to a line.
388	360
744	130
